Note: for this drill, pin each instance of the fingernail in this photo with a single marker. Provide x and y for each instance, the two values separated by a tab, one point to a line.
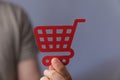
55	60
45	71
41	79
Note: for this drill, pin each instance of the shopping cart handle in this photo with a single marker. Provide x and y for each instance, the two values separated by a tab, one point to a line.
79	21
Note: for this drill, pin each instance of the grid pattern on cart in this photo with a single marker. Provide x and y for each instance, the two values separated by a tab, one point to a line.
55	37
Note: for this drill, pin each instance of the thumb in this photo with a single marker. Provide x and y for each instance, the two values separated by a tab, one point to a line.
59	66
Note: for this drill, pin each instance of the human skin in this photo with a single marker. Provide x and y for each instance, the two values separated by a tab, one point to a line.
28	70
57	71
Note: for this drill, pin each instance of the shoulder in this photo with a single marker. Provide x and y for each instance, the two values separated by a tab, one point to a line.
9	5
12	11
9	8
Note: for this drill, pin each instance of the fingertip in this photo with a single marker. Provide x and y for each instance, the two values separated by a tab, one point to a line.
45	71
51	67
55	60
44	78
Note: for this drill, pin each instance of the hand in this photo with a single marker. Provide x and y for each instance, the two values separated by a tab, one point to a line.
57	71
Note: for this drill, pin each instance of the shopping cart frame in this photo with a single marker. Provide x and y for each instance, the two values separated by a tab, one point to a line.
65	59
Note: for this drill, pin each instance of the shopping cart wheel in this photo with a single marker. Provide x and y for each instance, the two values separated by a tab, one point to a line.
64	59
47	60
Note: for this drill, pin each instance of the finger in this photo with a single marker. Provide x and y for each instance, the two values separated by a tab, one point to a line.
51	68
53	75
59	66
44	78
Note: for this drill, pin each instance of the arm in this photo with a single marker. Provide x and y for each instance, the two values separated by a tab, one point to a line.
27	62
28	70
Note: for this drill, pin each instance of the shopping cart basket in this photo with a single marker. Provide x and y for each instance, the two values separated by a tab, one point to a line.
56	39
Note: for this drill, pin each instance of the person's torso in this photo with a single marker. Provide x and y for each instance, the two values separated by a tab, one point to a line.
9	37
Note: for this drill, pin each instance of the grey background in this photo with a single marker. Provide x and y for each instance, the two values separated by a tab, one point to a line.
96	43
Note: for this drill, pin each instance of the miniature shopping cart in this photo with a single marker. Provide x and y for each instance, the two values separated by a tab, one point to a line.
56	39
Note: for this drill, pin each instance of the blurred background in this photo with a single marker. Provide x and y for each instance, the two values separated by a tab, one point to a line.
96	43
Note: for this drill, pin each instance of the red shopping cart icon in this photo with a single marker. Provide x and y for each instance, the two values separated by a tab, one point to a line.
56	39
